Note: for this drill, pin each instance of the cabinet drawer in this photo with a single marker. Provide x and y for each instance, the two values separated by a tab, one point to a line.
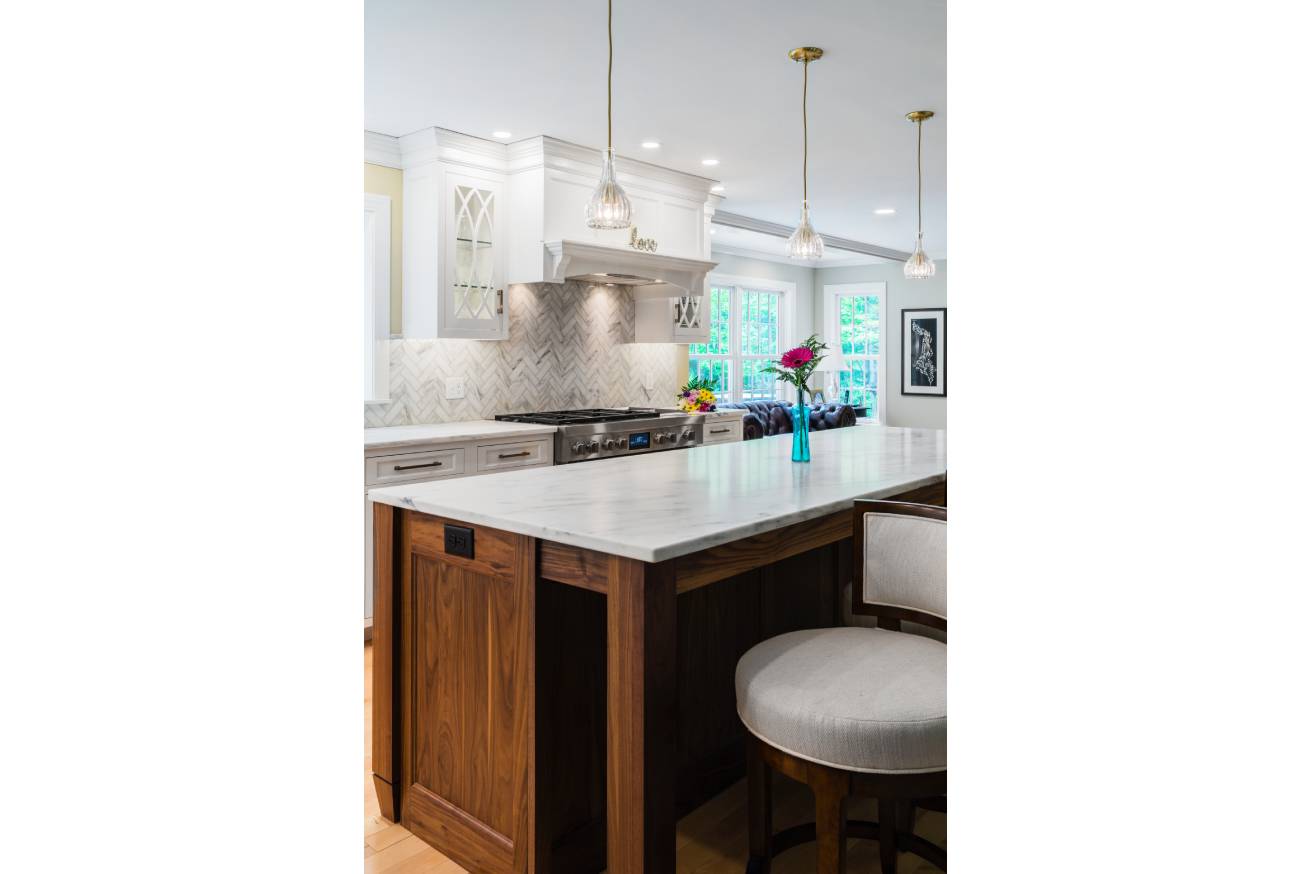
415	466
504	456
722	430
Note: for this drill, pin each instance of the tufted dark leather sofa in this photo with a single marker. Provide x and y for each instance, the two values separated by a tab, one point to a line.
766	418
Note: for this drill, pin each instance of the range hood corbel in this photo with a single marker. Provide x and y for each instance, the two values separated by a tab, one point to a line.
650	275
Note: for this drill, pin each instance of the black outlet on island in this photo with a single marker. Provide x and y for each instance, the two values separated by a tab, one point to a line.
459	541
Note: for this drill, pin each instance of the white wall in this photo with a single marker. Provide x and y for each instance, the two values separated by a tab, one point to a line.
902	293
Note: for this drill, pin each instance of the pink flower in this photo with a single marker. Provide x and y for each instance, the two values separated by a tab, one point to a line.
794	358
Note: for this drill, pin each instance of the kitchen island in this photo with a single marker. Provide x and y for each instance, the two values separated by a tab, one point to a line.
554	649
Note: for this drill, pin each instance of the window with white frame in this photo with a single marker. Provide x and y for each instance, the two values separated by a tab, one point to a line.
853	317
376	282
748	325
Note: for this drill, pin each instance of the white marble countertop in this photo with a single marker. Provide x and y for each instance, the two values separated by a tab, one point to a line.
717	414
666	504
404	436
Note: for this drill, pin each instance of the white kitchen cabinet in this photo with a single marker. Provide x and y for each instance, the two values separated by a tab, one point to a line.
673	320
723	430
481	215
456	233
506	456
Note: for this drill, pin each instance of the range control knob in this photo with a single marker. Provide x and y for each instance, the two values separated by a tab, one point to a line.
623	442
593	446
659	438
609	444
579	447
688	434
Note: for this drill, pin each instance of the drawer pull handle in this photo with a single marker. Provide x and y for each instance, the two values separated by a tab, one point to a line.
416	466
720	430
516	454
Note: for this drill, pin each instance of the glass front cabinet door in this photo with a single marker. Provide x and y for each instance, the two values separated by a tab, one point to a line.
690	325
473	294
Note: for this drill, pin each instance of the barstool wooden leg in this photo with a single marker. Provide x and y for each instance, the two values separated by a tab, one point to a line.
905	817
831	788
759	790
887	836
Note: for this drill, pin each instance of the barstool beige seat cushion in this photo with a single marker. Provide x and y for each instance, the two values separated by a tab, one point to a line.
859	699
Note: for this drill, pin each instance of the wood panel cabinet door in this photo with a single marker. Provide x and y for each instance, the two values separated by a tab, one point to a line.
470	697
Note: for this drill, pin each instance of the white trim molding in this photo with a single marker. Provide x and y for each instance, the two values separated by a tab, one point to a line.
376	293
381	149
773	229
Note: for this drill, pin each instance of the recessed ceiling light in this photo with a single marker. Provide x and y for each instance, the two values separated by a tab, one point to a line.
501	134
884	211
717	189
711	162
650	144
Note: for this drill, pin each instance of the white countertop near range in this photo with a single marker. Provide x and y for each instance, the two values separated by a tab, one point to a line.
717	414
665	504
403	436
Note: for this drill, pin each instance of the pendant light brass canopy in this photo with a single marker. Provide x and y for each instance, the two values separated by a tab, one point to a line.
609	208
805	242
920	266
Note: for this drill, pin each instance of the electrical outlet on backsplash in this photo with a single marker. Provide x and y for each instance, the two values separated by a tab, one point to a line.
570	345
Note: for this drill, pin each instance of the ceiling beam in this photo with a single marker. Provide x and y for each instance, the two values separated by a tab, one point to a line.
773	229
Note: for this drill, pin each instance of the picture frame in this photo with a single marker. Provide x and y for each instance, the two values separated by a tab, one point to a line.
923	352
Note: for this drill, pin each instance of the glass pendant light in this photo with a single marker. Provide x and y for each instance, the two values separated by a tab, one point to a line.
920	266
805	242
609	208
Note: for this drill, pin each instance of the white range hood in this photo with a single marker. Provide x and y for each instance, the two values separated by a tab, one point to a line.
650	274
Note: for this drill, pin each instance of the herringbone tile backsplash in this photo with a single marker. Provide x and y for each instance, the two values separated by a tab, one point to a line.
569	346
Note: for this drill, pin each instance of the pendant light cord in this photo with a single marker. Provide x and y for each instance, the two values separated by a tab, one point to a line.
805	137
919	123
609	84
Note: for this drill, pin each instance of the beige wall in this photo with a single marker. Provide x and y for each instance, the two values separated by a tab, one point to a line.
388	181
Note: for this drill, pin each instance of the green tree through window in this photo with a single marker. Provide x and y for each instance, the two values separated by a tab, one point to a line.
746	333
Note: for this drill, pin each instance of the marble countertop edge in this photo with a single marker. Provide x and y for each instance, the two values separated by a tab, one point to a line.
658	554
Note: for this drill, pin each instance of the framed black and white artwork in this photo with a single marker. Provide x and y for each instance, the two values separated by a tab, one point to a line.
923	352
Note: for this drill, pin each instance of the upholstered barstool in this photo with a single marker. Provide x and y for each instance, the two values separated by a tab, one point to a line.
858	710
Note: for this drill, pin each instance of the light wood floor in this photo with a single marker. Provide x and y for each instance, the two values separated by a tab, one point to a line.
711	839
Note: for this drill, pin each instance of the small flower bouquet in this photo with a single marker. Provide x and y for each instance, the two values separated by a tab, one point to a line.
697	396
798	364
795	368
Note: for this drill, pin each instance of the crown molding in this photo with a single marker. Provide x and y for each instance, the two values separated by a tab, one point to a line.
438	144
773	229
381	149
546	152
433	144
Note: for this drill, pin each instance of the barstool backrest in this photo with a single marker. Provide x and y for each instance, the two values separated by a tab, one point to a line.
900	563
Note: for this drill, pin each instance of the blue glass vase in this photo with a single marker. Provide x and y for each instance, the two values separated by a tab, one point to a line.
800	431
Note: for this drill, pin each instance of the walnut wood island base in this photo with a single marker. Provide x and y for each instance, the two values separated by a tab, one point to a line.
543	707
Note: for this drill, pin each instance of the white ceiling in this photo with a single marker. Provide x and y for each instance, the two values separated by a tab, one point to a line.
705	79
753	244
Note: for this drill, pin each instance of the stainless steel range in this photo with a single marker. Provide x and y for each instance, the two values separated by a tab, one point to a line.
585	435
